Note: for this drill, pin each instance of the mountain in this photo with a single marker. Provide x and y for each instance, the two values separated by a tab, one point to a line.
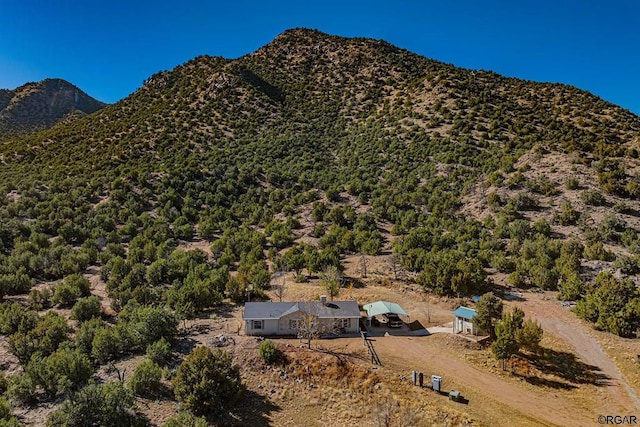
420	145
37	106
327	91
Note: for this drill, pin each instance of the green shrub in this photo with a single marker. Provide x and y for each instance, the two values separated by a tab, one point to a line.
207	382
571	289
146	378
147	324
269	352
86	308
86	332
40	298
185	419
529	335
106	344
72	287
628	264
49	331
571	183
14	317
23	389
109	404
596	250
4	383
494	201
6	417
60	372
65	295
567	215
159	352
593	197
612	305
516	279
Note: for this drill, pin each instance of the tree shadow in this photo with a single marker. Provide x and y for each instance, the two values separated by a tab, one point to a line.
509	294
566	366
224	310
352	281
342	355
544	382
184	345
257	416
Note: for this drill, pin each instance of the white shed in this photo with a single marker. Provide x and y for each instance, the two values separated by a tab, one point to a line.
463	321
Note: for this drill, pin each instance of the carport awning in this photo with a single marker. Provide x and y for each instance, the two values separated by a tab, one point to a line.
383	307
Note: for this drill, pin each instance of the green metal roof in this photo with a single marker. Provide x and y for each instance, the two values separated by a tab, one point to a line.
465	312
383	307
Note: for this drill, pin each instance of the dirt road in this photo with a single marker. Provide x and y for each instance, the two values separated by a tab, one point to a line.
507	400
562	322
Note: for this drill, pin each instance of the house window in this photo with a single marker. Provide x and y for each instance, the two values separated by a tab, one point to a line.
294	324
257	324
342	323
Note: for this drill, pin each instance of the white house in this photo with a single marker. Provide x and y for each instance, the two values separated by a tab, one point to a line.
284	318
463	321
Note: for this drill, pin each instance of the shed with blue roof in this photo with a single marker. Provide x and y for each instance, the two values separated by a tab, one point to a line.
463	322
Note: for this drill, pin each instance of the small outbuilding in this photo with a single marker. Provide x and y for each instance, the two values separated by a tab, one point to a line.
463	321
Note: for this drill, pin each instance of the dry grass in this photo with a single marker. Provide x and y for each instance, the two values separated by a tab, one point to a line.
333	385
625	353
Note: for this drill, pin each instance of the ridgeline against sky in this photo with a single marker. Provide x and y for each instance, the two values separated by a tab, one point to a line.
109	49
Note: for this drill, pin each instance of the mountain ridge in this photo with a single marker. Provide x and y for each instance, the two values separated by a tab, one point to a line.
305	72
40	105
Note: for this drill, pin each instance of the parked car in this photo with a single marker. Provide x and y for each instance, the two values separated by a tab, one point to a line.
392	320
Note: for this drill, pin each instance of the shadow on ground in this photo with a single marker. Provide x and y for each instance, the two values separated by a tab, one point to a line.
252	410
565	366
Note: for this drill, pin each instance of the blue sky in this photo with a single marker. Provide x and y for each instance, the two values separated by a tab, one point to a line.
108	48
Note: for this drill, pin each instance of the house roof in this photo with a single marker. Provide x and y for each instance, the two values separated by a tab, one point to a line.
276	310
465	312
383	307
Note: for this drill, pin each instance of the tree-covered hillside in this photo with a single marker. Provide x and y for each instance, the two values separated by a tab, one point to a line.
357	134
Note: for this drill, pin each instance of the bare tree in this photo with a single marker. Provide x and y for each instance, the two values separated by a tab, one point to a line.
389	413
331	280
113	368
309	326
396	267
383	413
363	264
279	282
427	311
